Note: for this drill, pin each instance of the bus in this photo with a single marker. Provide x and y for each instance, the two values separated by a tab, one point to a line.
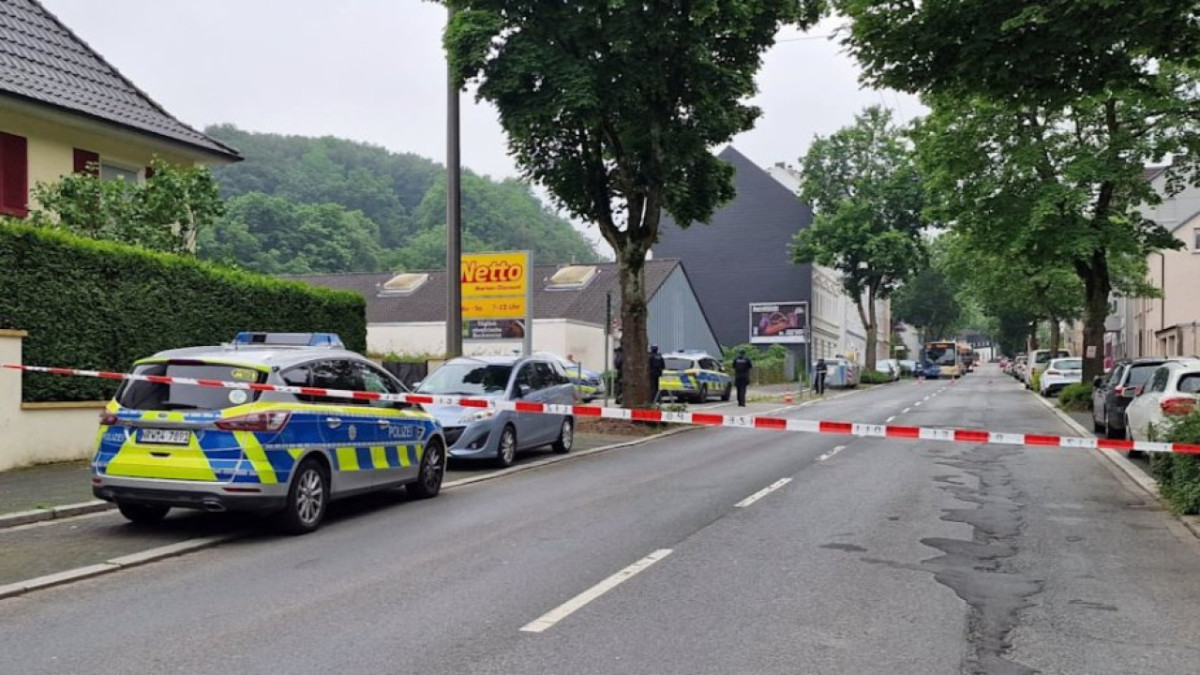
945	355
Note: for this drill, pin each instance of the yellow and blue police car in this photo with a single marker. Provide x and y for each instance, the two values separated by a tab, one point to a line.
165	444
694	375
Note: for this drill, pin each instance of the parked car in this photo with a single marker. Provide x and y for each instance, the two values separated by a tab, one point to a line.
908	366
929	370
167	445
1018	367
1059	373
588	383
1172	391
500	434
1112	393
1036	363
694	375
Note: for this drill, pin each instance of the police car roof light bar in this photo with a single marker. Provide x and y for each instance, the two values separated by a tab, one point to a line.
331	340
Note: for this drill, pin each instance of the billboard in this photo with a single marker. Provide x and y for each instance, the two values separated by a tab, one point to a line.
494	329
497	295
779	322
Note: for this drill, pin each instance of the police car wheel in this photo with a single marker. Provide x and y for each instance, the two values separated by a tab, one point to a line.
702	395
506	452
725	395
566	437
433	469
306	499
142	514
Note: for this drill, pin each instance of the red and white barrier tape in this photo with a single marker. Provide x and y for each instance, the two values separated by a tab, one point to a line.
976	436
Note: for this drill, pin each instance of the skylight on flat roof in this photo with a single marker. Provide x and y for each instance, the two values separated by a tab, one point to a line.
572	278
403	284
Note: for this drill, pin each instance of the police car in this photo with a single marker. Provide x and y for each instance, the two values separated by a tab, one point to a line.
694	375
163	445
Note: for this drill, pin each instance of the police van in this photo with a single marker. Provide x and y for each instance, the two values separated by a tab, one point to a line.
165	445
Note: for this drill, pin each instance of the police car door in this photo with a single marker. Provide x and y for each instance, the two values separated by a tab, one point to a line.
395	457
347	429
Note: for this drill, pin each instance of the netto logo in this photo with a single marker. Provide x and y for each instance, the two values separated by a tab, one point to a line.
495	272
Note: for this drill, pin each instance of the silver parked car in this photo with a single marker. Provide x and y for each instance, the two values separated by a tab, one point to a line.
499	434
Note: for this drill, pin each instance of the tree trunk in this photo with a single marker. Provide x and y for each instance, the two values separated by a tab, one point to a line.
635	375
1055	337
1096	286
872	332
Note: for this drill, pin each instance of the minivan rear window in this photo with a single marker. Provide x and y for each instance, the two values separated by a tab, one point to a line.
139	395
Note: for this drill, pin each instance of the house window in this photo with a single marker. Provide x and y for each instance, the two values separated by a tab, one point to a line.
14	176
114	172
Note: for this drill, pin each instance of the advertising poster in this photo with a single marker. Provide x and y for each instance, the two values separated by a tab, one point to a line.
779	322
494	329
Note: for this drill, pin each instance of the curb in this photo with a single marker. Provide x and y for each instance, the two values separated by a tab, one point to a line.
55	513
114	565
1131	470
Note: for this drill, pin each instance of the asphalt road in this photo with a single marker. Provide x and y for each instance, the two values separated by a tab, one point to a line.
875	556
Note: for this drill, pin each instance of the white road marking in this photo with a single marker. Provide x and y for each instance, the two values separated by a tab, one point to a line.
831	453
889	420
763	492
917	404
569	607
905	411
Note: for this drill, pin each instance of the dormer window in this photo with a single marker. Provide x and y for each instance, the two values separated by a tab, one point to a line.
572	278
402	284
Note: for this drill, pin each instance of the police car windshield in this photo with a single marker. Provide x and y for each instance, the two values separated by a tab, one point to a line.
677	364
153	396
467	379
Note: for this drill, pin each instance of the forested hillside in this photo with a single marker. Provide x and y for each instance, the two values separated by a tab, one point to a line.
299	205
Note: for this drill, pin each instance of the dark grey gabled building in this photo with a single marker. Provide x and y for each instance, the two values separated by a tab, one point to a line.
743	255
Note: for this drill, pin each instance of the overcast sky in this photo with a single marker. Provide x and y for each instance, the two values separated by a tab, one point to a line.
373	71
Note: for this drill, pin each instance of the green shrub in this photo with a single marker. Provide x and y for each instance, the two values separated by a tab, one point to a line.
101	305
768	363
874	377
1076	397
1178	476
1035	382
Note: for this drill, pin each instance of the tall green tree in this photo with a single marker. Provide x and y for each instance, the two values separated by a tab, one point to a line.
165	212
867	198
929	303
615	106
1057	103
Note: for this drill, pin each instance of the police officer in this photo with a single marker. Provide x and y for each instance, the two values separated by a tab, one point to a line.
741	376
819	384
657	366
618	363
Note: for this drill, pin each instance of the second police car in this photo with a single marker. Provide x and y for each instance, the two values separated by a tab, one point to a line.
694	375
165	445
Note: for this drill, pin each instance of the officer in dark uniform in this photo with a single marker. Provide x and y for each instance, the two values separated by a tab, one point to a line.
657	366
821	370
618	363
741	376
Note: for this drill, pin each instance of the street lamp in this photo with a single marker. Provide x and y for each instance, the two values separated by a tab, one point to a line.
453	215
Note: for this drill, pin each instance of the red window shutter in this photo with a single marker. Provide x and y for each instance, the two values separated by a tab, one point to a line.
14	175
85	157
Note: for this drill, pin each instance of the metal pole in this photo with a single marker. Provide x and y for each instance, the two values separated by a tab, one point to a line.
453	219
610	381
527	343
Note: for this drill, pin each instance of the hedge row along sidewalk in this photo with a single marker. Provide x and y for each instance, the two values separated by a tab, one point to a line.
97	304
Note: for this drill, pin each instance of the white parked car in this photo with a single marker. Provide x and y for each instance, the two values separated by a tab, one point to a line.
1172	391
1060	373
889	367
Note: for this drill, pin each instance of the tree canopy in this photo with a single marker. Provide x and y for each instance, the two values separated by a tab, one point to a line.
867	198
614	107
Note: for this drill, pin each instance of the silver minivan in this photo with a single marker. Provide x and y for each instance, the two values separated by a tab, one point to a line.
488	433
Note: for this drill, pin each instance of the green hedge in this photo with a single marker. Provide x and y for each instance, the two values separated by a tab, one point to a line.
100	305
1076	397
874	377
1178	476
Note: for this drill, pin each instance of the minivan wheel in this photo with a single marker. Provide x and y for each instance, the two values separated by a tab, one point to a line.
566	437
433	469
506	453
143	514
307	499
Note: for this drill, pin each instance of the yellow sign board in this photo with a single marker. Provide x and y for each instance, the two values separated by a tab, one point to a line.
495	274
495	285
493	308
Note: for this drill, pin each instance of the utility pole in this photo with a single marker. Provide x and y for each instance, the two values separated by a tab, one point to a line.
454	327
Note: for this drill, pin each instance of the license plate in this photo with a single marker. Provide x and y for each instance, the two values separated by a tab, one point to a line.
165	436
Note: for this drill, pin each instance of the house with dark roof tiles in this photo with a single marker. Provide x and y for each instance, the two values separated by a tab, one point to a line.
63	107
406	313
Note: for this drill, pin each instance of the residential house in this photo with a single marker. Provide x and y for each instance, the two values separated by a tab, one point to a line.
406	313
742	258
64	108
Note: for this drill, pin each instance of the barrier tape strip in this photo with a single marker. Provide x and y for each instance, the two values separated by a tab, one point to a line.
977	436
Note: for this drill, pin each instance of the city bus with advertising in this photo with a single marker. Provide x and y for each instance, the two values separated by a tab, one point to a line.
945	355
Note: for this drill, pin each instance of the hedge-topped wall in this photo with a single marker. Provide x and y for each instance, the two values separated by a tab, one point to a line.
99	305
